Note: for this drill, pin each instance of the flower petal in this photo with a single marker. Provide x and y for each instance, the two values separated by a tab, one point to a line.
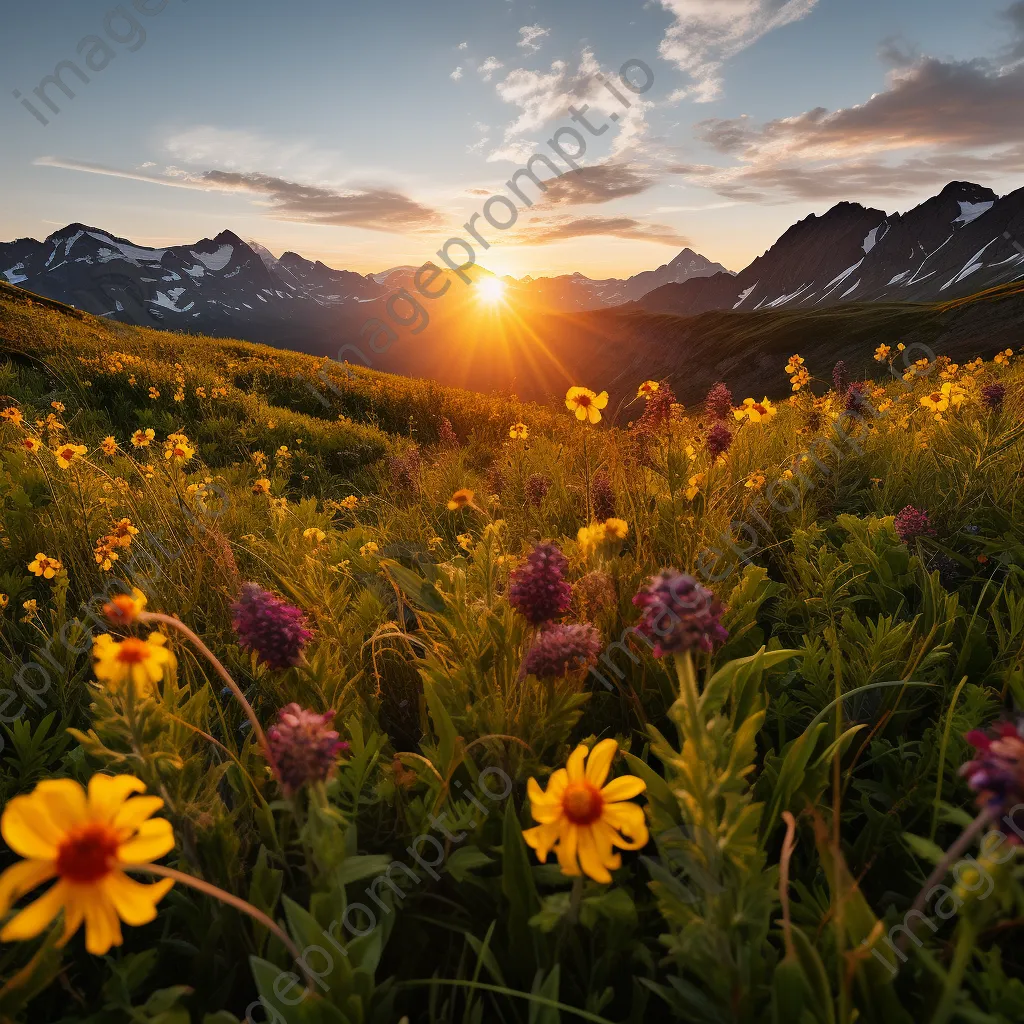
601	400
568	842
21	878
64	800
102	928
134	902
154	839
623	788
574	766
542	838
36	916
134	812
627	818
29	830
600	761
108	793
590	860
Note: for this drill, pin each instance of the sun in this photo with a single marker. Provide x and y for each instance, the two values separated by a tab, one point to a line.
492	290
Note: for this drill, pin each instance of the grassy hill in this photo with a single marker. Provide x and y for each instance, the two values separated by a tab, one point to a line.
427	735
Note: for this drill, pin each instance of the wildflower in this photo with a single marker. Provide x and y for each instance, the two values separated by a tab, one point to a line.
141	438
993	396
693	486
582	818
461	499
839	378
755	481
153	393
140	662
178	448
283	453
616	529
679	614
648	388
59	406
45	566
658	410
446	435
30	608
434	543
465	541
794	364
69	453
123	532
755	412
719	401
537	487
304	746
350	503
603	497
5	600
538	590
109	445
856	401
585	404
31	444
561	649
369	548
124	609
800	379
719	440
936	402
83	839
259	460
912	523
1003	358
261	486
314	534
996	773
12	415
882	353
590	538
267	625
518	432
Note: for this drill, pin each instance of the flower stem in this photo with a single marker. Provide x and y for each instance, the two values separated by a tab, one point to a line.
229	900
180	626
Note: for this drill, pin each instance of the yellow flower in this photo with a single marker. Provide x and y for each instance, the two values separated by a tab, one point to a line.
585	404
154	394
180	451
31	444
31	609
369	548
694	486
5	600
937	402
109	445
45	566
465	541
616	528
83	839
121	535
262	486
314	535
350	503
1003	358
590	538
900	347
434	543
123	609
794	364
460	499
141	662
755	412
648	388
69	453
518	432
882	353
755	481
582	818
58	406
12	415
141	438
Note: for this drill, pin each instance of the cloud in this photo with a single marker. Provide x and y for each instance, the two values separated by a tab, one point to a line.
601	183
488	68
706	33
463	46
456	74
374	208
529	36
1014	15
935	120
559	229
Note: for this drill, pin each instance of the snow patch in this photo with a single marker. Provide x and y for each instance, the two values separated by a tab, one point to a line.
71	241
970	268
170	301
745	294
899	277
850	291
12	275
873	237
972	211
215	261
196	271
122	251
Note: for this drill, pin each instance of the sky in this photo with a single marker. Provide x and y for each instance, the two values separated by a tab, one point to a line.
366	135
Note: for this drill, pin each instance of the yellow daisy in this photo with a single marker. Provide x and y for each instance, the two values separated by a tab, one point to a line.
109	445
31	444
262	486
12	415
755	412
68	453
313	534
141	438
648	388
585	404
84	840
518	432
582	818
123	609
45	566
460	499
142	662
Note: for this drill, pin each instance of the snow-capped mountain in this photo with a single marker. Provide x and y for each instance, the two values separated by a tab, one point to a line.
959	242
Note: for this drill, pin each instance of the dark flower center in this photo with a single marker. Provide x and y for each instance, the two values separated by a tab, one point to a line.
88	853
582	803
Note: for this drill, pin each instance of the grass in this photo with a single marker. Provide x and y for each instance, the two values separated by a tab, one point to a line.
801	778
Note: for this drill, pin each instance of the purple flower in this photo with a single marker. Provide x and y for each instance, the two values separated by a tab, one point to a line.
275	630
912	523
839	377
856	398
446	436
538	590
658	410
993	395
680	614
603	497
997	772
719	401
719	440
304	746
537	487
561	649
405	470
